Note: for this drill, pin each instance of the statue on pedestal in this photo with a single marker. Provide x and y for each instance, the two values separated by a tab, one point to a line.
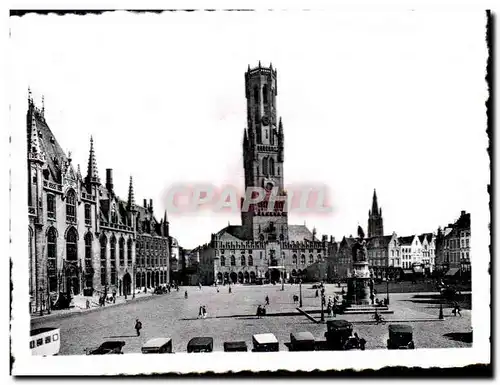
359	252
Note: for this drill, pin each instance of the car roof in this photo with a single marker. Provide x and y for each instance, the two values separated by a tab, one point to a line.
201	341
303	336
397	328
265	338
339	323
157	342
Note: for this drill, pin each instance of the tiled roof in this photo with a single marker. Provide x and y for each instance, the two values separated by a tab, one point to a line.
406	240
383	241
299	233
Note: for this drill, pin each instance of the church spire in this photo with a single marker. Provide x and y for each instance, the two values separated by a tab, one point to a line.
92	174
375	203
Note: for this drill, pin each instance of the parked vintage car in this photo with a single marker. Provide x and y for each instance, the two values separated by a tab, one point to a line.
302	341
108	347
157	345
235	346
400	337
338	334
266	342
200	345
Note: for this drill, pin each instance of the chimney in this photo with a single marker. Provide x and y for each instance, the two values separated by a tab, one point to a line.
145	203
109	179
151	205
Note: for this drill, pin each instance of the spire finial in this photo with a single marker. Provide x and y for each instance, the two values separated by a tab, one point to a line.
259	64
92	174
29	95
131	199
271	65
43	105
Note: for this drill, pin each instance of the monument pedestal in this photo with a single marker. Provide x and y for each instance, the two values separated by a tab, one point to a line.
359	285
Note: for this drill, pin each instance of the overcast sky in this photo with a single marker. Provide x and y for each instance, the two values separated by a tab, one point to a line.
390	101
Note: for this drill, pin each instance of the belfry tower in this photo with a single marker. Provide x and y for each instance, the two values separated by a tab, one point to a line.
263	157
375	221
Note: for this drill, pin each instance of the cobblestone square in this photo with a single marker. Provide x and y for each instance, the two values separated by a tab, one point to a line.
231	317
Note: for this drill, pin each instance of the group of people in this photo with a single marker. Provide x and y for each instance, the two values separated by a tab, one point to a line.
331	307
202	313
261	309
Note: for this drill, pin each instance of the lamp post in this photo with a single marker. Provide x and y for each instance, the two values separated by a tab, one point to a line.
41	301
300	292
322	310
135	277
387	281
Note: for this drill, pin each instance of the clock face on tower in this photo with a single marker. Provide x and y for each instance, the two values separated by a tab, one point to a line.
265	121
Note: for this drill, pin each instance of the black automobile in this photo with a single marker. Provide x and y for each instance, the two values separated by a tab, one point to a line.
302	341
108	347
200	345
400	337
235	346
338	334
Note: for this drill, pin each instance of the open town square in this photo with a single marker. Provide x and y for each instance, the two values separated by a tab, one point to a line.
232	317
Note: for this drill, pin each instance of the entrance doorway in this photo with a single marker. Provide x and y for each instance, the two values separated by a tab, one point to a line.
234	277
275	275
127	284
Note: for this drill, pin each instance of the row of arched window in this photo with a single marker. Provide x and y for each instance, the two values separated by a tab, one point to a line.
268	166
265	95
232	260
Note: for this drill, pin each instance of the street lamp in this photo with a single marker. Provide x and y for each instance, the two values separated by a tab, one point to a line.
322	311
135	277
387	281
300	292
41	301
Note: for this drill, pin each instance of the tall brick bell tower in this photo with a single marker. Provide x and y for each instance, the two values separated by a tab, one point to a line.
263	157
375	221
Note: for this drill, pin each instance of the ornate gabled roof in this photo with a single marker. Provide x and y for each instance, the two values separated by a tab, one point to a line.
406	241
131	199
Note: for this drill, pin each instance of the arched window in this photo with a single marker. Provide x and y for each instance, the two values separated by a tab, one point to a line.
302	259
233	260
129	252
294	259
122	251
250	260
256	94
103	242
223	261
71	206
265	170
88	216
264	94
71	245
52	259
88	260
112	260
51	206
311	258
243	260
271	166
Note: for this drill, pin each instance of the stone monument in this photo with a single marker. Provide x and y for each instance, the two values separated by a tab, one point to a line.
359	285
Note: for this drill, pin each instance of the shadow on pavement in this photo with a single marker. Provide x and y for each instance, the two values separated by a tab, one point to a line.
129	336
462	337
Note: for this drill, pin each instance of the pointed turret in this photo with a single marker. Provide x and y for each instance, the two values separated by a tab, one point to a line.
92	174
375	221
131	199
35	151
43	106
78	172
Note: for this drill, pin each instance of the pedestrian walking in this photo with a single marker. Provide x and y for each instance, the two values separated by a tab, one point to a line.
267	300
199	285
186	294
456	309
138	327
317	293
217	289
200	312
87	304
230	290
204	311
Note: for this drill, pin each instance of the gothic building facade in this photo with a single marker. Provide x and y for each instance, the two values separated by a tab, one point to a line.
81	234
265	246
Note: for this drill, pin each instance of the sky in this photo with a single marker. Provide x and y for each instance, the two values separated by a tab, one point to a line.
386	101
